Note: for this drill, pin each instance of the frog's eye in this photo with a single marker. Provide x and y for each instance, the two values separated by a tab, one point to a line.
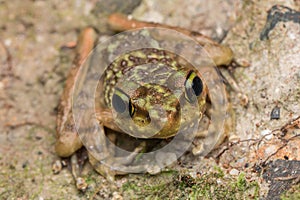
193	86
121	101
131	108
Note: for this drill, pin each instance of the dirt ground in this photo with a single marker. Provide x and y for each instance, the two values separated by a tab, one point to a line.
34	68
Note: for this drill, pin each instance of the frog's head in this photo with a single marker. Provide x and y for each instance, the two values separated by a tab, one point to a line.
152	110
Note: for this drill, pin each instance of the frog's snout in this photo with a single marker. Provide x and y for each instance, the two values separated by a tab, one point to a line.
142	118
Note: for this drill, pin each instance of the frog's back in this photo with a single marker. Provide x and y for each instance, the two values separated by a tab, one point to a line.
141	66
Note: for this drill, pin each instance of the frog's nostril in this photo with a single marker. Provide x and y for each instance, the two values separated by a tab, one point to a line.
142	120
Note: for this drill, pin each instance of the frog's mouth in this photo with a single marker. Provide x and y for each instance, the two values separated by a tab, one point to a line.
159	122
155	122
141	118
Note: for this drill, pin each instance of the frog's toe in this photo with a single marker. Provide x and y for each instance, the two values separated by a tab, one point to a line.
244	100
81	184
76	167
198	149
153	169
57	166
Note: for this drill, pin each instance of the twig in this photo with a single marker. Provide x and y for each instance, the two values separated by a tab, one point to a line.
284	145
293	124
265	161
231	144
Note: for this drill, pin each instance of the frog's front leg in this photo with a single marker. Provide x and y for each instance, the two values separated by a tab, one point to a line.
104	160
68	141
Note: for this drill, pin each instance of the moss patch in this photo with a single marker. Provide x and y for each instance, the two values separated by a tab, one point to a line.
174	185
293	193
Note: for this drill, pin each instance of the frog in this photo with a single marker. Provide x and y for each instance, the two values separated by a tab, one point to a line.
137	101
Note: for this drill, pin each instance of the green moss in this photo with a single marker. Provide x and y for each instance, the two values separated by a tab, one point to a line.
293	193
129	186
241	182
89	180
175	185
219	172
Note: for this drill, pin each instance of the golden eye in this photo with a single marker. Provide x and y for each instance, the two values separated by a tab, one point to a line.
193	86
121	102
131	108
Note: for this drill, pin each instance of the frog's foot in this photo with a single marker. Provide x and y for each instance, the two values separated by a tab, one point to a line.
76	172
162	159
111	165
75	162
75	168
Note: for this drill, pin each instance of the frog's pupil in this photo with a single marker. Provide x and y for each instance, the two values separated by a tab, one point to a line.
131	109
193	86
118	103
197	86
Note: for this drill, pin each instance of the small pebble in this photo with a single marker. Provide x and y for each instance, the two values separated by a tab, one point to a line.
234	172
275	113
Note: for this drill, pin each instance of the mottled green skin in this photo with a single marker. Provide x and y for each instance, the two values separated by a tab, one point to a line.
154	81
